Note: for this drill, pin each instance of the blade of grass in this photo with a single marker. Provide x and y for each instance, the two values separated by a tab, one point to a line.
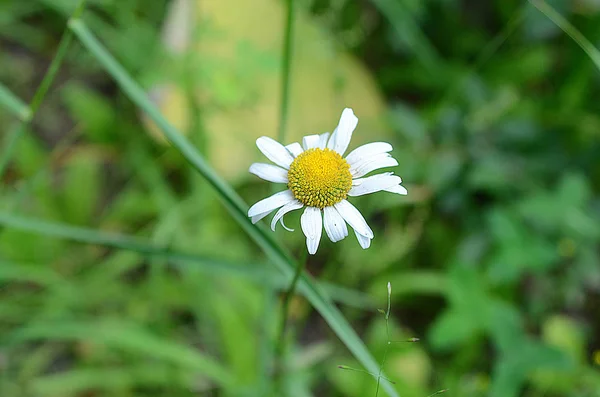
252	272
42	90
10	143
231	200
569	29
13	103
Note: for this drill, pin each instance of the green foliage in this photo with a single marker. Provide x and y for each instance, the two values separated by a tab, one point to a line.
122	273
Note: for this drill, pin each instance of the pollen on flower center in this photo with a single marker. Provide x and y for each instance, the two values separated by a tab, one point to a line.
320	178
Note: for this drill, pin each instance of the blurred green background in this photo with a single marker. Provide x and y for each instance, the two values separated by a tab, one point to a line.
493	256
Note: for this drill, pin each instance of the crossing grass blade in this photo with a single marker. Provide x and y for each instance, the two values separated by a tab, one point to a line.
25	112
235	205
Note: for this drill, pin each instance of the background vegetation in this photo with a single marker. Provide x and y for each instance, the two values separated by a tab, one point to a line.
122	272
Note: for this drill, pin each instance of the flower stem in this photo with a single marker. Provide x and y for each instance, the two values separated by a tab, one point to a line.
285	307
286	67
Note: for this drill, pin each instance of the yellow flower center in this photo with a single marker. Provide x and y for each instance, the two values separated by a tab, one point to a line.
320	178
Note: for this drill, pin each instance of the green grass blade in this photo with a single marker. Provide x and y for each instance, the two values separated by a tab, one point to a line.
63	46
13	104
232	201
251	272
30	111
50	75
569	29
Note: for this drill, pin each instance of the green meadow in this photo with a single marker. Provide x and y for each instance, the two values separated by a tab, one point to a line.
129	265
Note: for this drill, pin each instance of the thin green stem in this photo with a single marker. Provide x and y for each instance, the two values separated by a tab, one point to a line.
63	46
281	339
27	114
53	69
285	308
387	332
286	66
347	368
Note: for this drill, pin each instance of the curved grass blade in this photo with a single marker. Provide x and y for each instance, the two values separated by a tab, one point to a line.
236	206
569	29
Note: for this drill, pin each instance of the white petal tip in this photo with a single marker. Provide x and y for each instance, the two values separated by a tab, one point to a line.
289	229
398	189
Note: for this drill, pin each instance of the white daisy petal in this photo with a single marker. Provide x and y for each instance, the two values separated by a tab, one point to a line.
293	205
295	149
354	218
269	172
312	226
323	140
397	189
374	184
371	164
370	149
258	217
340	139
311	142
335	226
364	242
275	151
271	203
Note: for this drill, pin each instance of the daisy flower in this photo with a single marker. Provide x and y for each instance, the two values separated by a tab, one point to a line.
320	179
